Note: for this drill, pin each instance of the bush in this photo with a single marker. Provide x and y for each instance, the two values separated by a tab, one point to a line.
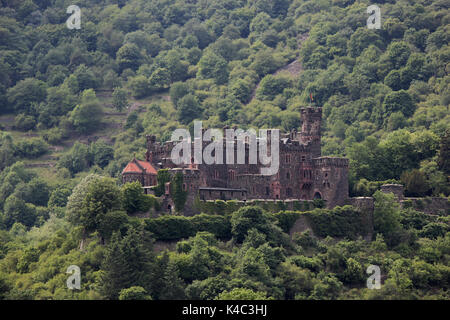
134	199
343	221
247	218
286	219
434	230
220	226
31	148
170	227
54	136
24	122
178	227
134	293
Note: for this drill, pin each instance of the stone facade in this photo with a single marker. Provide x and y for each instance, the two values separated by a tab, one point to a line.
303	173
396	189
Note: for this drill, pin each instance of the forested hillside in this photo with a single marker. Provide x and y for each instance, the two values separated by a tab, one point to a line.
76	104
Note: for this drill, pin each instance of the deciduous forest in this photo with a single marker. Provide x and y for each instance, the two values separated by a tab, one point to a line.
76	106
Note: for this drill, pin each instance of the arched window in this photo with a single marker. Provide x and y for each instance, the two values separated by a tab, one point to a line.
288	175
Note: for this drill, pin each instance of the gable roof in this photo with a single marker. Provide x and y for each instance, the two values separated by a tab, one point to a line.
139	166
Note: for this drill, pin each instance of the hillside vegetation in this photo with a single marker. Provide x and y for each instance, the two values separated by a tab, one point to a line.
75	106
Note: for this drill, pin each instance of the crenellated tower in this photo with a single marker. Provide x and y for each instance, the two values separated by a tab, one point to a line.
310	134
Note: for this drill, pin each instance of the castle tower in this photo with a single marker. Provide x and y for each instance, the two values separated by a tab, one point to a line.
311	122
151	139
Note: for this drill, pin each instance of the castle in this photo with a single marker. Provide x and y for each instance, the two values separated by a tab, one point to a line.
303	173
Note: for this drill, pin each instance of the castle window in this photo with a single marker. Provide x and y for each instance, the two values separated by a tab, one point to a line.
289	192
303	158
267	191
184	187
288	158
232	174
288	176
216	174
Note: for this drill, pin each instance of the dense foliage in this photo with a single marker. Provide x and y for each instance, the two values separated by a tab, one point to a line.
75	105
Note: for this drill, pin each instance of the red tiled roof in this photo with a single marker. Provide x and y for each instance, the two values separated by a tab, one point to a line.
147	166
137	166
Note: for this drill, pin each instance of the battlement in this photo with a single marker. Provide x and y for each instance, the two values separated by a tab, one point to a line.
331	162
311	110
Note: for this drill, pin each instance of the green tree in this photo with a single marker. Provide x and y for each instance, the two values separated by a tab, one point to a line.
91	199
26	92
173	288
140	86
444	153
128	56
120	100
270	86
77	159
134	293
415	182
189	109
177	91
59	197
87	115
16	210
85	78
398	101
213	66
134	199
101	196
386	217
128	262
101	153
242	294
159	79
247	218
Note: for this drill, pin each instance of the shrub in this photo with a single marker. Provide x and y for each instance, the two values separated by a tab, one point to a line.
134	293
179	227
31	148
286	219
170	227
24	122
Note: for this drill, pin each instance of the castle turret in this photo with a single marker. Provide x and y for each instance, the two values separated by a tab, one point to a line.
311	122
151	139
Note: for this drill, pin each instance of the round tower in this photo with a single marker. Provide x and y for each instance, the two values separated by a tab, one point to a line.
311	123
